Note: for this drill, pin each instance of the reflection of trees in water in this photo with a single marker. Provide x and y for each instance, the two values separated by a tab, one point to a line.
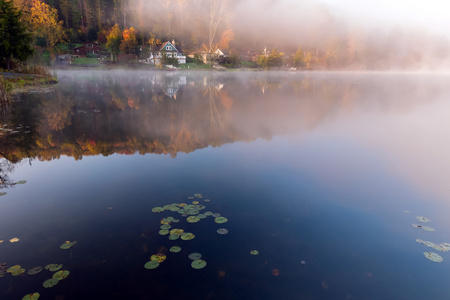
128	114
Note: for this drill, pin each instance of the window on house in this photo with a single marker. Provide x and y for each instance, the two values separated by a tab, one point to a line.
174	54
169	48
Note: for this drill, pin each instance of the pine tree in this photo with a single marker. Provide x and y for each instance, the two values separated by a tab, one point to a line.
14	39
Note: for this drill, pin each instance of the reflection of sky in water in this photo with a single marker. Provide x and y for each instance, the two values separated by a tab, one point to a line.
327	183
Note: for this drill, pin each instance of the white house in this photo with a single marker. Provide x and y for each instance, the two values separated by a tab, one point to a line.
170	50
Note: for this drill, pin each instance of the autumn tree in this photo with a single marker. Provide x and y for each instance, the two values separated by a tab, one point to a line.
114	39
297	61
275	59
227	37
44	20
14	38
129	41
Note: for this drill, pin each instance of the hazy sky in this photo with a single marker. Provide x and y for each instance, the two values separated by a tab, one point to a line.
431	14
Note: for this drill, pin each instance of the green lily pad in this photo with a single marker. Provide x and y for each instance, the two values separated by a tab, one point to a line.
163	232
175	221
153	264
53	267
18	272
174	237
35	270
254	252
50	282
198	196
195	202
428	228
21	182
201	216
195	256
3	194
208	213
175	249
174	208
187	236
170	219
423	219
176	231
428	244
445	246
14	268
222	231
60	275
33	296
159	257
157	209
165	226
207	200
220	220
67	245
215	215
193	219
433	256
198	264
192	212
190	198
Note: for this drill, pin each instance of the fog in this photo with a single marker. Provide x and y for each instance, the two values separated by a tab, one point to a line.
342	34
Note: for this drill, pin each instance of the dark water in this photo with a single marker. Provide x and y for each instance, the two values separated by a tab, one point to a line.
313	167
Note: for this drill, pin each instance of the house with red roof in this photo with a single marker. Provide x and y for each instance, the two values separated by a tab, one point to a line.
169	49
88	48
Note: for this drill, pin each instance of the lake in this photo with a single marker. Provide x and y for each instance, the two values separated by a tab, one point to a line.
323	174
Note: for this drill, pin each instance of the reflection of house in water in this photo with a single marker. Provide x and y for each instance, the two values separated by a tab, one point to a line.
171	84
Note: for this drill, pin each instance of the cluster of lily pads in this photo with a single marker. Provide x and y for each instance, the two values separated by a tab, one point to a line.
443	247
5	130
68	245
193	214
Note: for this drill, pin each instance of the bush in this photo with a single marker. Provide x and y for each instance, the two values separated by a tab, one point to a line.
232	61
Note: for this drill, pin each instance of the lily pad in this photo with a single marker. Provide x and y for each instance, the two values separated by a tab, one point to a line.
220	220
170	219
207	200
423	219
198	196
18	272
215	215
67	245
164	232
419	241
193	219
3	194
195	256
254	252
428	244
176	220
33	296
159	257
198	264
195	202
428	228
222	231
174	237
50	282
175	249
165	226
187	236
190	198
60	275
14	268
21	182
153	264
177	231
35	270
208	213
53	267
445	246
174	208
433	256
416	225
157	209
183	204
201	216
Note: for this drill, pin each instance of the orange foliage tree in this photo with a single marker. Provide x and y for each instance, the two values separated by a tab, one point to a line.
129	40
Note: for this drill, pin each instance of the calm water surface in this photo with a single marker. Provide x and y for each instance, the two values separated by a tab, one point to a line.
326	168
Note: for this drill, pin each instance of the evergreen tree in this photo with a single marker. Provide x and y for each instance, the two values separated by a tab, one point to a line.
14	39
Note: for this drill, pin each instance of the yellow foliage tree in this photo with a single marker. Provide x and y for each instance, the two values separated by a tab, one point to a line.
45	24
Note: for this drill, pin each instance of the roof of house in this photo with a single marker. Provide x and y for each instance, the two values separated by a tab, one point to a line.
163	45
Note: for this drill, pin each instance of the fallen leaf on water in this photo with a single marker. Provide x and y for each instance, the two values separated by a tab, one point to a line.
14	240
